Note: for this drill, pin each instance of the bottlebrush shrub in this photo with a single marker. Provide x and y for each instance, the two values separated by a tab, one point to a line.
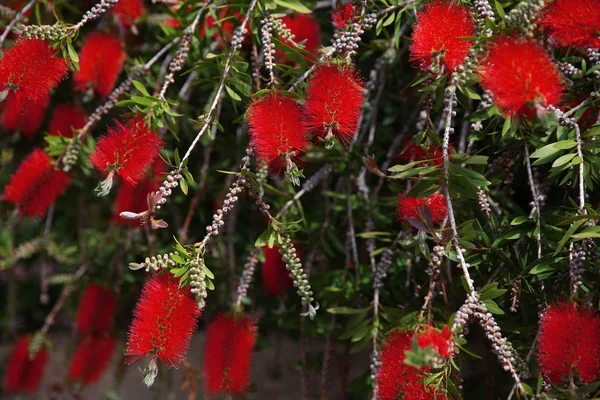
164	319
344	15
97	307
414	208
439	341
276	278
128	11
223	30
507	73
413	152
65	119
23	373
23	117
228	353
569	342
29	70
306	30
100	62
573	22
91	358
438	40
35	185
333	101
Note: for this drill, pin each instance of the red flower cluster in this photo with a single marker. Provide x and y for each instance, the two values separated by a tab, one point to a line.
128	11
65	119
127	150
276	130
439	341
344	15
414	208
413	152
573	22
520	76
306	30
227	355
224	30
97	308
23	117
164	319
437	36
92	357
35	185
275	277
334	98
29	70
569	338
395	378
22	373
100	61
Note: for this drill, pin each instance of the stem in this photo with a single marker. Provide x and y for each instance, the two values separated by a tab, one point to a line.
536	200
14	21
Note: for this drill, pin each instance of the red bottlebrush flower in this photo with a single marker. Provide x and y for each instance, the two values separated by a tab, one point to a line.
23	374
220	31
333	101
412	152
24	117
396	378
91	358
436	38
569	337
344	15
573	22
276	130
520	76
35	185
227	355
97	308
164	319
440	341
100	61
413	208
275	277
306	30
127	150
29	70
65	119
128	11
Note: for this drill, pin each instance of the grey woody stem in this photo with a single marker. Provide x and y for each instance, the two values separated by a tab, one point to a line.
15	20
536	199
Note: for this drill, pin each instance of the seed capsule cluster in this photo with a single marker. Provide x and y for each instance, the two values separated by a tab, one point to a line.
155	263
198	281
294	266
171	182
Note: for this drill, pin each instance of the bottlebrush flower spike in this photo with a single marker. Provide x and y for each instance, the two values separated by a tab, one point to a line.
413	152
275	277
227	355
520	76
22	373
35	185
128	11
24	117
29	70
97	308
222	31
91	358
569	338
65	119
100	61
395	378
413	208
164	319
334	98
306	30
344	14
126	150
276	130
440	341
573	22
436	39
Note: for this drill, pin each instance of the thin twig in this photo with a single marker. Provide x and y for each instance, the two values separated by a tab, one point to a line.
536	199
15	20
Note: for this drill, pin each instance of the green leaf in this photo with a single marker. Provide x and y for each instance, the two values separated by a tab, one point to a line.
562	160
208	272
519	220
492	294
140	87
233	94
346	310
294	5
72	53
493	307
184	186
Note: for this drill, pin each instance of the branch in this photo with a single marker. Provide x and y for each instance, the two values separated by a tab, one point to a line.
15	20
536	200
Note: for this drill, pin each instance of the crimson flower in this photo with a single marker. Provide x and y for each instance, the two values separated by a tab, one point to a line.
437	38
127	149
334	98
521	76
29	70
569	339
344	15
35	185
97	308
413	152
24	117
128	11
573	22
439	341
397	379
100	61
276	130
22	373
164	319
414	208
227	355
306	30
275	277
222	31
65	119
91	358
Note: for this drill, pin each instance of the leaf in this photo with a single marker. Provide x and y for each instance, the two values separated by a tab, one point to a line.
492	294
493	307
140	87
562	160
346	310
233	94
294	5
72	53
184	186
519	220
